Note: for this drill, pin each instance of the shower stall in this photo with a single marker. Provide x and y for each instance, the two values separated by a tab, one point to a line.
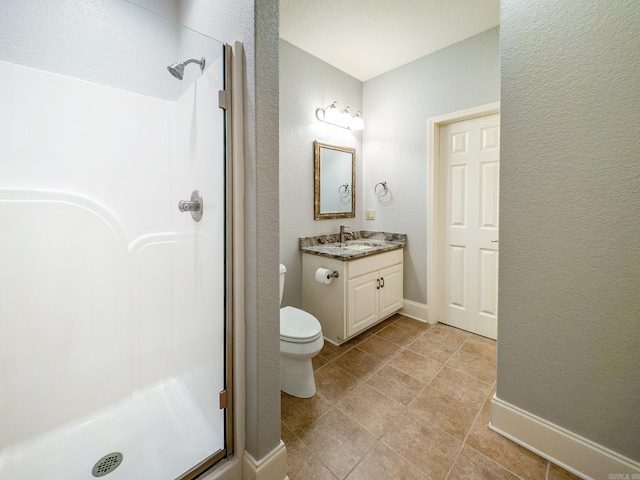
114	252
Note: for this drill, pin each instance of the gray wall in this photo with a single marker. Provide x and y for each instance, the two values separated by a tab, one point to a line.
255	24
307	83
569	330
397	106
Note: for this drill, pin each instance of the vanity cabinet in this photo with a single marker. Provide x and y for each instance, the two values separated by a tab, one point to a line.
368	290
373	297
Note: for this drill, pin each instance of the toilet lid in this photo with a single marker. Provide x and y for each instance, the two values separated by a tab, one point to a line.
298	326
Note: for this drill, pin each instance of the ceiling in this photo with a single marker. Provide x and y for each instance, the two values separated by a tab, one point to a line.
366	38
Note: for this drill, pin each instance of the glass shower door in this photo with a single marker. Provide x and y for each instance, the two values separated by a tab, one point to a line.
112	300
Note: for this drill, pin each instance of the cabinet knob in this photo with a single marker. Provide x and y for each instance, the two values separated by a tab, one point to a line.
382	280
378	287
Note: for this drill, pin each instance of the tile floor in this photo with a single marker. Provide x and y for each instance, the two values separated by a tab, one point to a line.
404	400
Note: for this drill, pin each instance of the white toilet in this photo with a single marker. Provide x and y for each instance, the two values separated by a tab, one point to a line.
300	340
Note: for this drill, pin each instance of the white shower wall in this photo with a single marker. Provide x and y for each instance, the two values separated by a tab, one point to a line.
108	294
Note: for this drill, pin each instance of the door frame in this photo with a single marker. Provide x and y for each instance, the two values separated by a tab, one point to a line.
434	205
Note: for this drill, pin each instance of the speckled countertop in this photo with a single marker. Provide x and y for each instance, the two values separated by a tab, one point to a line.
359	244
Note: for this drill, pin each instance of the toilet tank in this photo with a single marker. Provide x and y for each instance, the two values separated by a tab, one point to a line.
283	270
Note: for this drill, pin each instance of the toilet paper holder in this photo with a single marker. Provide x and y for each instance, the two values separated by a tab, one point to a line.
325	275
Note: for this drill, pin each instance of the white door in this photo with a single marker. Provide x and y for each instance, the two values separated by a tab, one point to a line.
468	235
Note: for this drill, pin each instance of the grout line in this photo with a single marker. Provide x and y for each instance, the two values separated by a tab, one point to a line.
405	408
464	442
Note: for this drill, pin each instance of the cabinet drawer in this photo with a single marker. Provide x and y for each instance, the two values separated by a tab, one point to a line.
365	265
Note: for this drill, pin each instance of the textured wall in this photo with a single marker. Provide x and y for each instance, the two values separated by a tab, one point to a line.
397	106
569	327
307	83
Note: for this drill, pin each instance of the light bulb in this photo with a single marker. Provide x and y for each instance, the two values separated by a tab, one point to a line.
345	118
356	122
331	113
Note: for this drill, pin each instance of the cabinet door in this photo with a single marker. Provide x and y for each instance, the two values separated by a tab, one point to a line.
391	295
363	297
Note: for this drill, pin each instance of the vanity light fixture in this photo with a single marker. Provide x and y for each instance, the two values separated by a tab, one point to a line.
343	118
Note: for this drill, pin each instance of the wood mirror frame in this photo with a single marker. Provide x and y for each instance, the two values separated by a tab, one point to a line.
334	181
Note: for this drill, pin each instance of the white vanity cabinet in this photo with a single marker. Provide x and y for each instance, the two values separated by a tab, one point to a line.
368	290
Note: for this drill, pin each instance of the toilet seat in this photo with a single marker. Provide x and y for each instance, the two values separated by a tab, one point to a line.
298	326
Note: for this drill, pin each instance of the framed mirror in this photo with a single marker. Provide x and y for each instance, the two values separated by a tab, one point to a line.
335	181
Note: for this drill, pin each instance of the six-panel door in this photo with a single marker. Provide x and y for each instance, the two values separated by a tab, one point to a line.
468	238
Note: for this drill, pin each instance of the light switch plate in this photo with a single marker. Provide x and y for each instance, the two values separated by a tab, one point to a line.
371	214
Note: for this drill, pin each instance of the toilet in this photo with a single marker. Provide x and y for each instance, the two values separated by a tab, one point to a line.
300	340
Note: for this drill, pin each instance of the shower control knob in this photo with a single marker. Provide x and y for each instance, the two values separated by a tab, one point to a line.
194	206
187	206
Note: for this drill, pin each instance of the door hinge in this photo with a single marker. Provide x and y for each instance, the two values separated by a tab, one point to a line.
223	99
223	399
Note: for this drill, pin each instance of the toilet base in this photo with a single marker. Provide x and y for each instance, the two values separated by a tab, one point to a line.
296	377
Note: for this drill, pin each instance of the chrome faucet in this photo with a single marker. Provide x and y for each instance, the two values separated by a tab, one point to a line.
343	232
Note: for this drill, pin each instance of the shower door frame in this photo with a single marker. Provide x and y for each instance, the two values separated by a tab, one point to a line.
226	398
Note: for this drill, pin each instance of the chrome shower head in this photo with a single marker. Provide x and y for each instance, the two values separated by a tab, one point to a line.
177	69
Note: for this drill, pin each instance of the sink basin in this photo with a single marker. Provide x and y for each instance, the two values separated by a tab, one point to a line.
368	243
357	246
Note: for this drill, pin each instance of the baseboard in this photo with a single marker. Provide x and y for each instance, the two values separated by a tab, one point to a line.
415	310
574	453
272	467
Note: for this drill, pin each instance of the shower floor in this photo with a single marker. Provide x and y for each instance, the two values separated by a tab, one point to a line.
161	432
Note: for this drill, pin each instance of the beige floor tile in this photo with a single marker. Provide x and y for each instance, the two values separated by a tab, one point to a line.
443	411
371	409
474	366
450	336
506	453
398	335
468	390
334	383
299	413
339	442
382	463
318	361
427	348
557	473
422	368
484	348
302	465
420	404
379	348
359	363
331	351
428	448
359	338
472	465
286	435
382	325
396	384
416	326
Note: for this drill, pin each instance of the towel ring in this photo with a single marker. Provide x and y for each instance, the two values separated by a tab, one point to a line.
382	191
343	191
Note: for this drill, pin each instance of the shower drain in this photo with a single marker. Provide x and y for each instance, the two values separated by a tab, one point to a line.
107	464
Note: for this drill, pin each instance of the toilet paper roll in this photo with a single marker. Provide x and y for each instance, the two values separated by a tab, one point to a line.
323	275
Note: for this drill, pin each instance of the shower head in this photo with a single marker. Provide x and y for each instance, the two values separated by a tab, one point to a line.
177	69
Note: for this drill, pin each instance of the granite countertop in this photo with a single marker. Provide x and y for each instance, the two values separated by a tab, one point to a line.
359	244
